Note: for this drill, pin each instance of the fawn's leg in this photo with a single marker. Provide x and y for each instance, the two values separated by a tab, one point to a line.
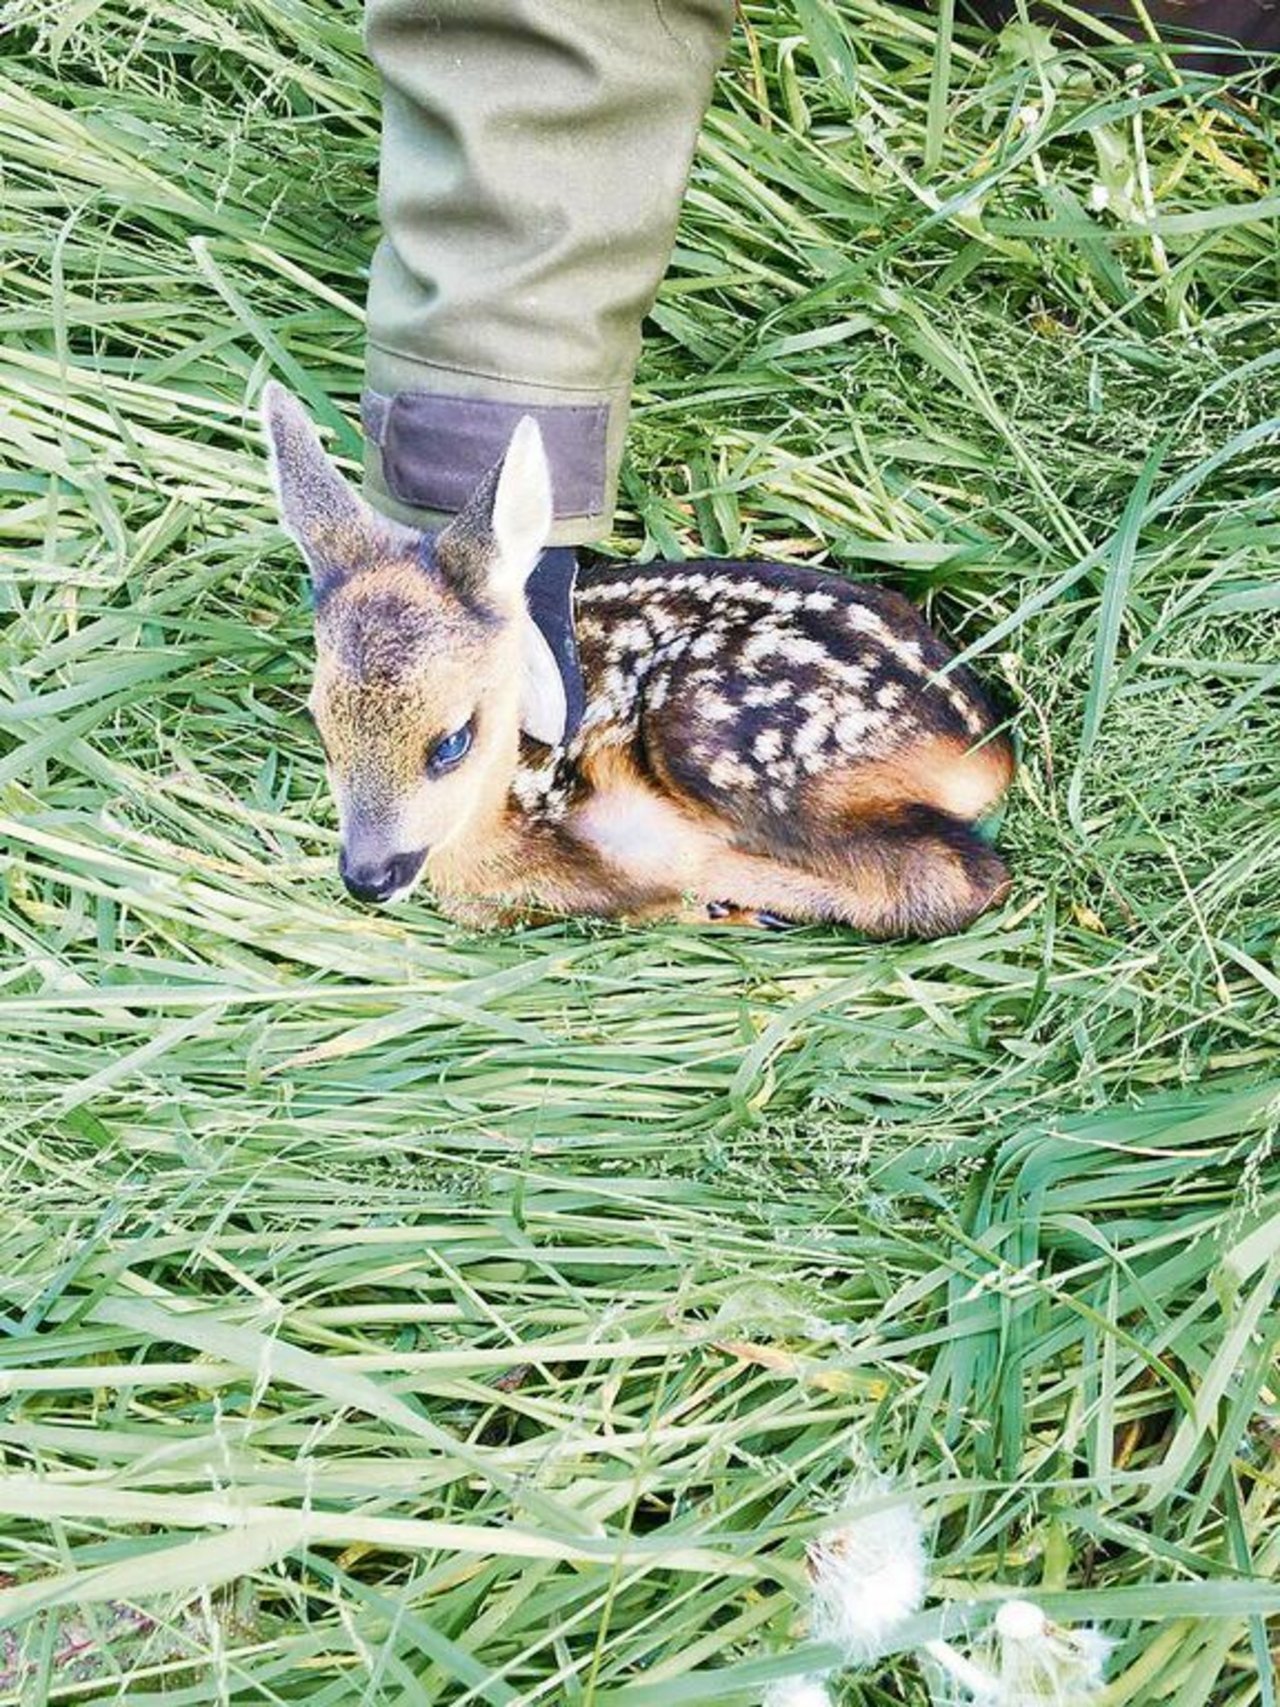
885	883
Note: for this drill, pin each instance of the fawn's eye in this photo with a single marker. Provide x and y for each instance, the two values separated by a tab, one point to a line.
449	751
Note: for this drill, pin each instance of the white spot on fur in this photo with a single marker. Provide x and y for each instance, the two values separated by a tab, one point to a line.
715	709
729	771
800	649
854	725
763	643
604	590
768	693
810	739
633	636
539	789
851	675
865	621
768	745
617	690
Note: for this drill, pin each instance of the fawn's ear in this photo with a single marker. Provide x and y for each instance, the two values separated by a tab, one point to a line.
335	529
489	551
490	547
544	706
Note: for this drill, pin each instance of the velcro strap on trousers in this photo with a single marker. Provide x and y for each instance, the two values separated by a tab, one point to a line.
436	449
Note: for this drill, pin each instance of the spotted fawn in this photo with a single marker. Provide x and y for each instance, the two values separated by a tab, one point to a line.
761	743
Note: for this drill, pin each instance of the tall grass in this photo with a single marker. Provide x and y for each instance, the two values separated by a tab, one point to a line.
396	1316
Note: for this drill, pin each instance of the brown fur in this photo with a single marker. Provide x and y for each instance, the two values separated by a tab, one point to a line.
760	741
941	771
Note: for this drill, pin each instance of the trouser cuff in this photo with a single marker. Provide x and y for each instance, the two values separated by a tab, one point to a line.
432	434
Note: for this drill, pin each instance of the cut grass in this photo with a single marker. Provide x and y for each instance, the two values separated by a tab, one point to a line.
396	1316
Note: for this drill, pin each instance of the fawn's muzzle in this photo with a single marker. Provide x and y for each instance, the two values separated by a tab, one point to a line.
379	880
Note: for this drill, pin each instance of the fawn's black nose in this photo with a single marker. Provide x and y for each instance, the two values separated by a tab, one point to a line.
378	880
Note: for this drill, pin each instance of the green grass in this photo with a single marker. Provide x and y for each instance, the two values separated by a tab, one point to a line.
292	1191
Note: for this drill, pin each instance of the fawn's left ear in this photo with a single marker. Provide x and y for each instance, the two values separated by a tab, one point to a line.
336	530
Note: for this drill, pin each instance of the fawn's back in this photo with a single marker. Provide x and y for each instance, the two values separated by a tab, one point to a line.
785	714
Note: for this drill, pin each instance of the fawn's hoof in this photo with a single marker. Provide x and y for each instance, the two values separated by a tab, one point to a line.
773	922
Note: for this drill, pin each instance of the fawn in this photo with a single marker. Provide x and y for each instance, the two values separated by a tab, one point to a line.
761	743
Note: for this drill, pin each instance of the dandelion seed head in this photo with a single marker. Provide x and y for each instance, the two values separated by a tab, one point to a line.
797	1692
1020	1621
1095	1650
868	1576
1042	1664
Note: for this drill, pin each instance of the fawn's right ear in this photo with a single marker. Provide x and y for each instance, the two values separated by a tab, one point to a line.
336	530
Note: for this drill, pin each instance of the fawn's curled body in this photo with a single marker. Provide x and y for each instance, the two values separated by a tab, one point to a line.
761	742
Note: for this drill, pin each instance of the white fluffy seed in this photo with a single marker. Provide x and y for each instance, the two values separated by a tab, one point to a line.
868	1576
797	1692
1020	1621
1046	1663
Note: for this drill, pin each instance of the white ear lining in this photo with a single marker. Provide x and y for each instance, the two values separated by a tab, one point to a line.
544	710
522	506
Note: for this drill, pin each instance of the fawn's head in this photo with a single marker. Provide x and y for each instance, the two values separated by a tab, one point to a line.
427	663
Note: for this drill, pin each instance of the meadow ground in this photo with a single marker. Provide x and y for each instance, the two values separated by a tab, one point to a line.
614	1250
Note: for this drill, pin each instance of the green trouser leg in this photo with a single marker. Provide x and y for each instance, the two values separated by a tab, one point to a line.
534	154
